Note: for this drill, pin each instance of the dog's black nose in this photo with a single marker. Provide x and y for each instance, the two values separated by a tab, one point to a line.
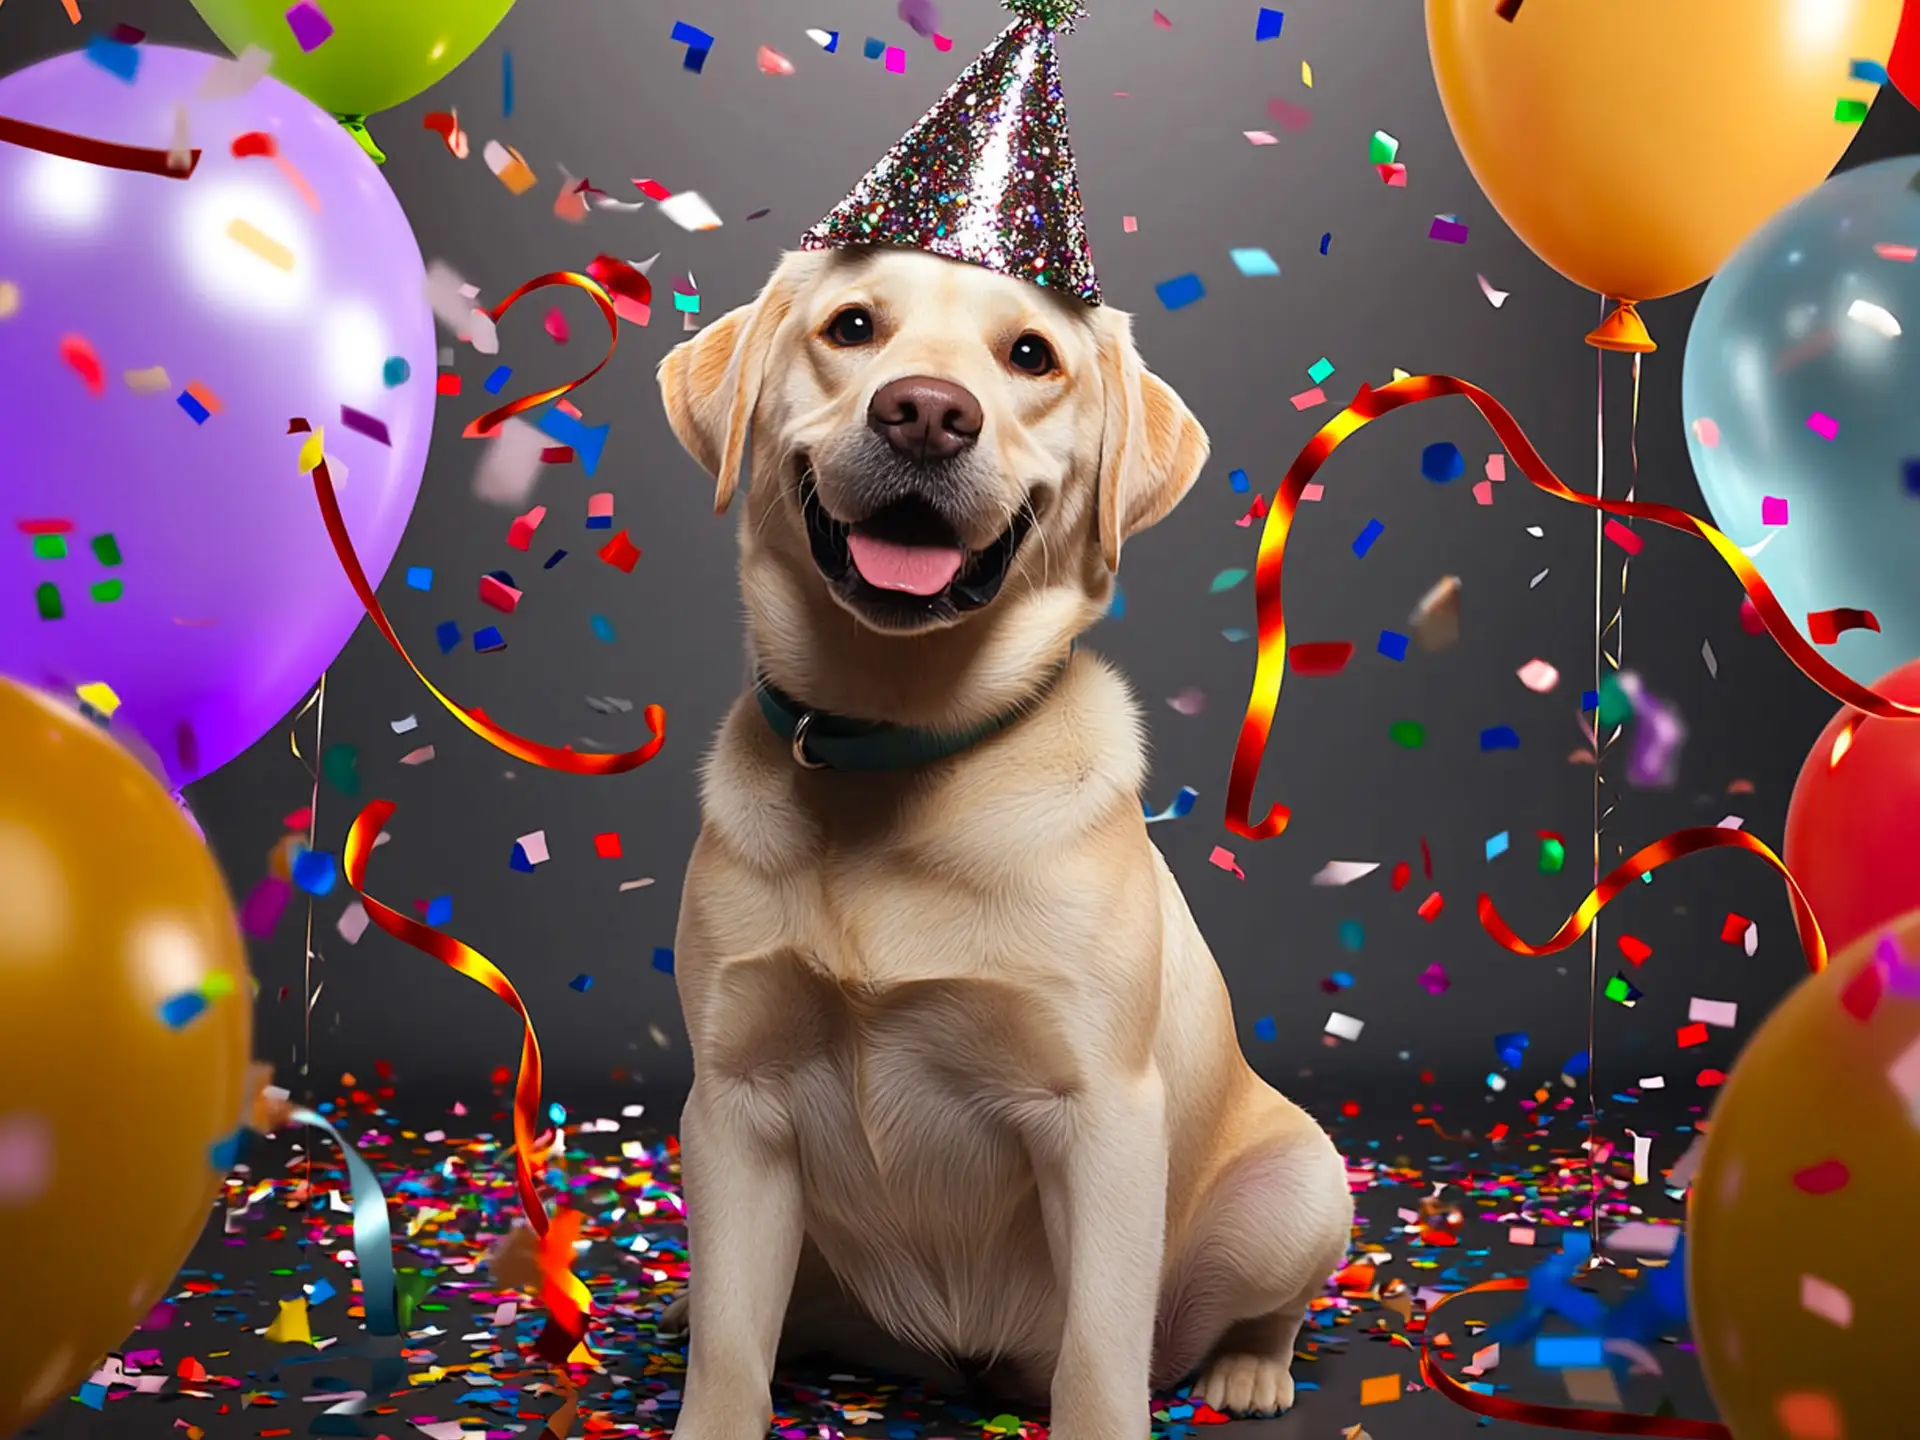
924	418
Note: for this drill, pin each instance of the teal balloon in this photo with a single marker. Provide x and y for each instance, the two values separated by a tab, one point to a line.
1801	394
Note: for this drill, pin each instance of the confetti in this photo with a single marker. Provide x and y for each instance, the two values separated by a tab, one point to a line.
698	42
689	211
1435	621
1825	627
772	62
1827	1300
311	29
1407	734
1499	737
260	243
1380	1390
1180	292
1344	1027
1495	298
1825	426
1223	859
1267	23
1442	462
1721	1013
1363	542
1225	581
1307	399
1178	808
1254	261
1451	232
1321	657
1344	872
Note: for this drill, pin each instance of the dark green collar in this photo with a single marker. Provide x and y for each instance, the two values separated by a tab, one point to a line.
820	741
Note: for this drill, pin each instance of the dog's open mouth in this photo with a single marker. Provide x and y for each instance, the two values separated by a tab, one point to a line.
905	565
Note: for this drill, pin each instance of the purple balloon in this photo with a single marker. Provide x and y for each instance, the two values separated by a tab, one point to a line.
163	333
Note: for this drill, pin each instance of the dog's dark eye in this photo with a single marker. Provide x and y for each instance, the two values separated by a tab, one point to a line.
1033	356
852	326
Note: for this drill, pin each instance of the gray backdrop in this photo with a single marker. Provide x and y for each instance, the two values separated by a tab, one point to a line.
601	90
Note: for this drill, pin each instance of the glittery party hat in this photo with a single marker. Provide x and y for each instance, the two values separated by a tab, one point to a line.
986	176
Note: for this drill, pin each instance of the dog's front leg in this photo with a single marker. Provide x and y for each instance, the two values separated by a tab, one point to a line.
1102	1169
744	1227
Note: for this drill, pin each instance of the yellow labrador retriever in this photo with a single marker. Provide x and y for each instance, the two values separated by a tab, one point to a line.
966	1082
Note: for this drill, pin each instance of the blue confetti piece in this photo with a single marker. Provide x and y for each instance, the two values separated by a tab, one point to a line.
1911	470
685	303
1393	645
1180	292
1325	241
1442	462
1363	542
420	577
698	42
396	371
182	1009
1589	699
1267	26
315	872
1568	1352
1342	980
556	1113
1178	808
320	1291
93	1396
833	42
489	639
1117	608
1265	1029
1511	1048
1497	844
223	1155
1238	480
1499	737
518	859
193	407
440	910
1234	635
663	959
1578	1065
506	83
497	381
587	440
1352	935
116	57
1871	71
1253	261
582	983
554	559
602	628
447	634
504	577
599	522
696	60
874	49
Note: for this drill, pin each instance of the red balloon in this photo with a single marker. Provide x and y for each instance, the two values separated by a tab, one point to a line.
1853	827
1903	66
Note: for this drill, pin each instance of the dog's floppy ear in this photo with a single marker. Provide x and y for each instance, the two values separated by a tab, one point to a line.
1151	450
711	383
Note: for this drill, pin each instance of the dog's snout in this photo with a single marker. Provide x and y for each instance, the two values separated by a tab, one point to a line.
924	418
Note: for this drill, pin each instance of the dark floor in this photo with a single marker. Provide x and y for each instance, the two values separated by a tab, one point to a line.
466	1374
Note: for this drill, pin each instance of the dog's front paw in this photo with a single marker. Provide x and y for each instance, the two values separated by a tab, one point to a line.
1242	1385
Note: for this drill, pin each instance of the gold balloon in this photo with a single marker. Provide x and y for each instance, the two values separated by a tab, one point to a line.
1634	144
1801	1295
115	925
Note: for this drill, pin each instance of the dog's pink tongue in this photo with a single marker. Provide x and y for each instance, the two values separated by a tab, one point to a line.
915	569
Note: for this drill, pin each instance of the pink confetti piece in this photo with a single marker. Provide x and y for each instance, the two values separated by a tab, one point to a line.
556	326
1394	174
1307	399
1622	536
1520	1235
1483	492
1907	254
1827	1300
1287	115
600	507
943	43
1223	859
1312	492
1129	223
1706	432
1189	701
1162	21
1823	425
896	60
1495	298
1773	510
1434	979
772	62
1261	137
1496	467
1538	676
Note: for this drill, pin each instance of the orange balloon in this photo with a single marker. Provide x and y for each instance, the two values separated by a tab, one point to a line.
1635	144
126	1020
1800	1310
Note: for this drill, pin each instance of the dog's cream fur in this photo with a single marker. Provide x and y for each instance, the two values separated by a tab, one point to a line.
966	1083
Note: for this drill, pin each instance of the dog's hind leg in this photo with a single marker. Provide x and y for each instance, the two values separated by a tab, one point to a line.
1275	1226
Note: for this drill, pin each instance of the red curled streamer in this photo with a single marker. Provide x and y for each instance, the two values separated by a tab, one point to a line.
547	757
1563	1417
566	1298
88	151
1368	406
485	426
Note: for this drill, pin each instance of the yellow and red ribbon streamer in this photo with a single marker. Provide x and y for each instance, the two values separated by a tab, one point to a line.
491	421
566	1298
1563	1417
548	757
1368	406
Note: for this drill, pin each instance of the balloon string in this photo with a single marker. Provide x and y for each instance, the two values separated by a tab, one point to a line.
548	757
1600	808
89	151
566	1298
1564	1417
1368	406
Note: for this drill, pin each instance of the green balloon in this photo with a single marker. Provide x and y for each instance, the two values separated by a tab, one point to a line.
380	54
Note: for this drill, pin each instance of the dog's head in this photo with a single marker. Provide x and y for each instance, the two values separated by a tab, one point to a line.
938	452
